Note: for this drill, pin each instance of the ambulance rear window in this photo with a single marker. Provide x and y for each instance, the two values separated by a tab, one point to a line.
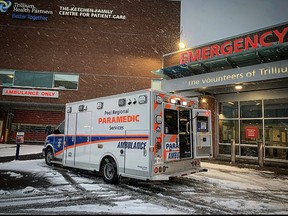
170	121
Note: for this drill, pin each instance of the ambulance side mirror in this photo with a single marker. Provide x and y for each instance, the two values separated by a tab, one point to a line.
48	130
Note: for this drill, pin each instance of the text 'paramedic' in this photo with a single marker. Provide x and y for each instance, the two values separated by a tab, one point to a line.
119	119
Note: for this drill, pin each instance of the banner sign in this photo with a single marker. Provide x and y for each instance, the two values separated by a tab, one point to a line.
30	93
265	71
251	132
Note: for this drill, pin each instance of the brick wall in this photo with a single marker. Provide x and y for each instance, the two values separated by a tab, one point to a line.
111	56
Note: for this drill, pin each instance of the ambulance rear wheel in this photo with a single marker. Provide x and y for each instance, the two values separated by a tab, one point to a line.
49	156
109	171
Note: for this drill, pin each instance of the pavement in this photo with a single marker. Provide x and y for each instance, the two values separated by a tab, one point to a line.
34	151
26	152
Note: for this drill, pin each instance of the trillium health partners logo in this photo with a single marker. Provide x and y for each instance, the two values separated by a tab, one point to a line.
5	5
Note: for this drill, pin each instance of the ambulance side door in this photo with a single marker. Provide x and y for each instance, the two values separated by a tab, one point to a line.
70	140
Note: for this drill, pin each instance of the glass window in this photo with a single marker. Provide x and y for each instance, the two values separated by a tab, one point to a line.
66	81
251	131
171	121
276	132
228	129
275	122
226	149
33	79
6	78
276	108
228	110
39	79
251	109
251	151
276	139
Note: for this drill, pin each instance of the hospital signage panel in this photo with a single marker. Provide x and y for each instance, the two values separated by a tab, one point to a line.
241	43
267	71
30	93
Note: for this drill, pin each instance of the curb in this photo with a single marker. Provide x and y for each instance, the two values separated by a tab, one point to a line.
22	157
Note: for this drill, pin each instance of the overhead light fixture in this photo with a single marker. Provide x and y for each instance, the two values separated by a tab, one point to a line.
238	87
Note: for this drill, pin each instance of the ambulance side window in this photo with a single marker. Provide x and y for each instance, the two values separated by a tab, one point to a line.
170	121
60	128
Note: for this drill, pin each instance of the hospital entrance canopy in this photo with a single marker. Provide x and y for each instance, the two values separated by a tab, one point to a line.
257	60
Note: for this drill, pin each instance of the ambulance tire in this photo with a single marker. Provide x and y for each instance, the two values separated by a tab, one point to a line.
49	156
109	171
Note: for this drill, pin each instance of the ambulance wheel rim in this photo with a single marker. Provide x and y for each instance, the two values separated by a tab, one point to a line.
49	157
109	171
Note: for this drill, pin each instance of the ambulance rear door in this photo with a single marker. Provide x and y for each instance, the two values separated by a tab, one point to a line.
171	149
202	133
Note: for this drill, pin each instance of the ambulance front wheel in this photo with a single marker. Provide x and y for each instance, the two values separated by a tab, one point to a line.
49	156
109	171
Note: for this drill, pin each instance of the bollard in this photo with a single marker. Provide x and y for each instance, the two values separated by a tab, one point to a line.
260	153
17	151
233	153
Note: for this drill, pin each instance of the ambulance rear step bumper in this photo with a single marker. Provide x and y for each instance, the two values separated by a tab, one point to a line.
179	174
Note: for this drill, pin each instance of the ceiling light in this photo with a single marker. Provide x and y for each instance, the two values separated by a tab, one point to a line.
238	87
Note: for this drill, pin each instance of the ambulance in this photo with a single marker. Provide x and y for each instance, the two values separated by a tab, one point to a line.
146	135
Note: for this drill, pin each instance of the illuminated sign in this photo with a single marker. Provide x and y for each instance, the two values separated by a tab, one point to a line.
24	11
238	44
234	46
90	13
30	93
4	5
27	11
267	71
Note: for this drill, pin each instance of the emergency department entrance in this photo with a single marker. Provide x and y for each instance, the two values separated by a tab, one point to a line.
245	80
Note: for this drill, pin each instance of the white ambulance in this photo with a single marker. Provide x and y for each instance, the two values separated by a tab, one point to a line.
146	135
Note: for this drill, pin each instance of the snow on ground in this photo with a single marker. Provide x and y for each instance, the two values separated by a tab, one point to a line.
238	183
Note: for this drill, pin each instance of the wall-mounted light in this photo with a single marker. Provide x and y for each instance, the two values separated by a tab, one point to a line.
181	45
204	100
